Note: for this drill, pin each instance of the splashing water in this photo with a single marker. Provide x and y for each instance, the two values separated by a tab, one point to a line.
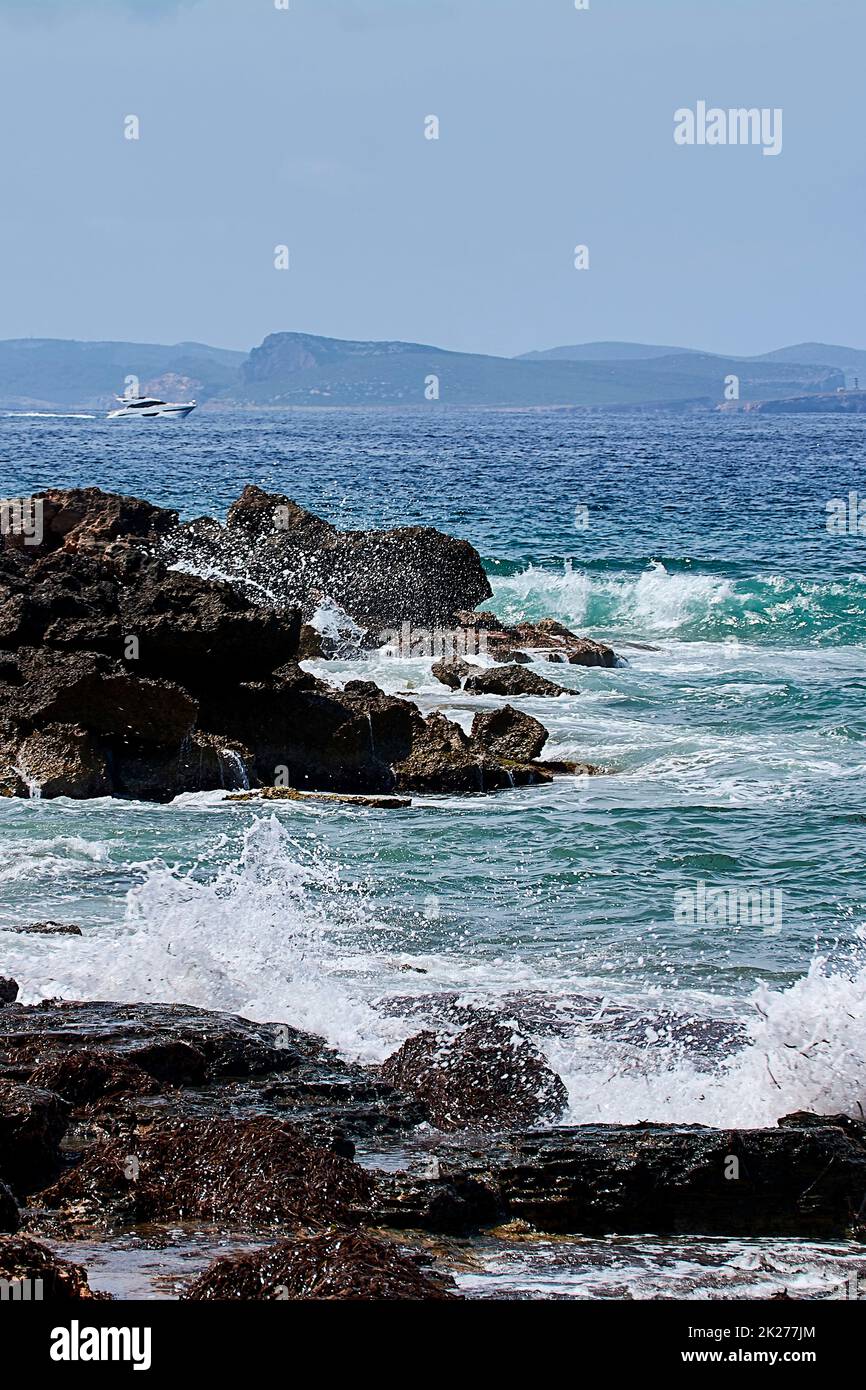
276	935
805	1049
259	938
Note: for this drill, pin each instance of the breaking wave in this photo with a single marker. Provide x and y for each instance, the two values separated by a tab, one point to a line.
688	605
277	935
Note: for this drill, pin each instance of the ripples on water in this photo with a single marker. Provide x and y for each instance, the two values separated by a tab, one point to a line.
735	735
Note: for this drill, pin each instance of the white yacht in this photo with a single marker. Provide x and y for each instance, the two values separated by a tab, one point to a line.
148	408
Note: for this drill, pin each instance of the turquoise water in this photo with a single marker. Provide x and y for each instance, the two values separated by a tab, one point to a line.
734	738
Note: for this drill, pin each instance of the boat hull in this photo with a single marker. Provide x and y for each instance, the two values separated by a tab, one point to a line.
175	412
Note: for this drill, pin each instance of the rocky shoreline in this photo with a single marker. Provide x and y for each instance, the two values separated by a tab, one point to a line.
124	673
144	658
116	1117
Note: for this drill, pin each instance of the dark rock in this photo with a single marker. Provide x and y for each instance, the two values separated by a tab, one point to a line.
807	1181
272	546
202	632
507	654
32	1123
10	1217
445	759
50	1278
175	1043
214	1064
122	676
568	768
546	638
88	518
508	733
84	1075
49	929
485	621
446	1202
257	1172
376	803
60	760
8	990
487	1077
332	1265
452	673
513	681
311	646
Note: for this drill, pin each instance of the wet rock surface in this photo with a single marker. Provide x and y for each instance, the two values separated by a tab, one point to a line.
452	672
49	928
157	1116
8	990
545	640
256	1173
10	1217
122	676
202	1064
486	1077
380	578
32	1123
509	733
333	1265
51	1277
513	681
800	1179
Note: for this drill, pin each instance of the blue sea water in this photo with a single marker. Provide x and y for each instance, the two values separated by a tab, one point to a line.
734	735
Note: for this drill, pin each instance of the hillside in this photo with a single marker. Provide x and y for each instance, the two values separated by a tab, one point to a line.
303	369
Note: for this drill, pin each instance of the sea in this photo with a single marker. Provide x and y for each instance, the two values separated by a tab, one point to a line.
683	935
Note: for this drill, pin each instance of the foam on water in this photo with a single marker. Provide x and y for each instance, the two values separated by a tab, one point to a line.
259	937
685	603
805	1050
277	935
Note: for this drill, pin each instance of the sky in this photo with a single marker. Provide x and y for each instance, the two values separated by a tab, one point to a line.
305	127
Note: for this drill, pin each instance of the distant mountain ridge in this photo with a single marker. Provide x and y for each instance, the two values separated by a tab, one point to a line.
304	369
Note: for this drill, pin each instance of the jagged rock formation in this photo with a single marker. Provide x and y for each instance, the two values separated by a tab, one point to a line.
121	676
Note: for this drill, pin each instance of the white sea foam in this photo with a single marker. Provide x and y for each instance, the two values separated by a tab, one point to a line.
276	935
49	858
259	937
806	1050
655	601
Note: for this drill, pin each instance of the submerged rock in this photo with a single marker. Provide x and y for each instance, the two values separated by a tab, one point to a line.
513	681
51	1278
49	928
376	803
333	1265
486	1077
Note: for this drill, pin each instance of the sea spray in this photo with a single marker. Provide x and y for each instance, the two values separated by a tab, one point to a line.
259	937
690	604
804	1049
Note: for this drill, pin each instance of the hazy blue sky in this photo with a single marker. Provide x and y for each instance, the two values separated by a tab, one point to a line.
260	126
